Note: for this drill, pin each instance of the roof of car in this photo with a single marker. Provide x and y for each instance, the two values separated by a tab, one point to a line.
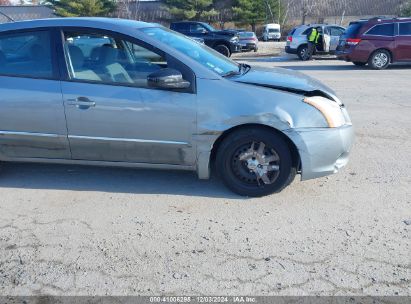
319	24
191	21
105	23
383	19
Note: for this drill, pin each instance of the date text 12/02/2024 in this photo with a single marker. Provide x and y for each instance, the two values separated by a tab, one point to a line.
203	299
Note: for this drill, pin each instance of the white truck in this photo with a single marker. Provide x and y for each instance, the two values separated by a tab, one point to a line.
272	31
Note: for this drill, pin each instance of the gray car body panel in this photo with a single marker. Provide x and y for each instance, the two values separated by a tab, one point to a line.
167	129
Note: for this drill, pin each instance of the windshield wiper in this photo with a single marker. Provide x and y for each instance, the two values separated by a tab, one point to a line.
231	73
242	69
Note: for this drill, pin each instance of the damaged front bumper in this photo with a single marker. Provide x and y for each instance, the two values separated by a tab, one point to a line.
323	151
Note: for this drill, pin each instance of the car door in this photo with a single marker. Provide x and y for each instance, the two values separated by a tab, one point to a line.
112	114
403	42
335	34
32	120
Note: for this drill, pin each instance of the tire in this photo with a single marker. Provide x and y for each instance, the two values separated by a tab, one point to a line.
379	60
302	52
235	170
223	49
360	63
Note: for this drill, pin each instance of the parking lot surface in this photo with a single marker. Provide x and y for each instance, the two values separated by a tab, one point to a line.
105	231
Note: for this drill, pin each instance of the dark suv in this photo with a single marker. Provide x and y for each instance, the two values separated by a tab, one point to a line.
225	42
376	42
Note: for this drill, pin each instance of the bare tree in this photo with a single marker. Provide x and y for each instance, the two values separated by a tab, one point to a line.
308	7
283	17
128	9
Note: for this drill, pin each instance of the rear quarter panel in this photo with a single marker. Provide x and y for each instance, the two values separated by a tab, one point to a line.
369	44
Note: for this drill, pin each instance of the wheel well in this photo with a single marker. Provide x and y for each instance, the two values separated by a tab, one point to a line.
294	151
301	46
383	49
221	42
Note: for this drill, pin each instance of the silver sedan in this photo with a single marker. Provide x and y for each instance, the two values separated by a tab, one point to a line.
114	92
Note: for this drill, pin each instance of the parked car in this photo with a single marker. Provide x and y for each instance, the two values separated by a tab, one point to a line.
376	42
248	41
297	42
225	42
271	31
146	96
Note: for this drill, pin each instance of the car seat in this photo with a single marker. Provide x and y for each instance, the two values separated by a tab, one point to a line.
114	71
77	62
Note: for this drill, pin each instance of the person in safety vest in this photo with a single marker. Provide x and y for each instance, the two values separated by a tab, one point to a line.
313	38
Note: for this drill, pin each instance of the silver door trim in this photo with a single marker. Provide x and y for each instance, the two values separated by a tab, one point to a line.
167	142
18	133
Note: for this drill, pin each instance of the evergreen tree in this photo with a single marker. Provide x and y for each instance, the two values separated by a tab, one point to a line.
406	10
191	9
83	8
253	12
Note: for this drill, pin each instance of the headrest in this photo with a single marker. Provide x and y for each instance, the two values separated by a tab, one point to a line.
76	56
108	54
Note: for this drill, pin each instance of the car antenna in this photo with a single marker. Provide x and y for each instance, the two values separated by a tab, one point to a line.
7	16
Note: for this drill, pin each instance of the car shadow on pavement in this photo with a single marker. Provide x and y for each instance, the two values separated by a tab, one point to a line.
108	179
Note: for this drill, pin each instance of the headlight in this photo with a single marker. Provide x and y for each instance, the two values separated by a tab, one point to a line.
329	109
234	39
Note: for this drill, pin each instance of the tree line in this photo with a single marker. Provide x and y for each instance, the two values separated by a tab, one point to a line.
247	12
242	12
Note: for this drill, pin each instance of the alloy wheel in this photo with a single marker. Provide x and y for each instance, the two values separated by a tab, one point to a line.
256	164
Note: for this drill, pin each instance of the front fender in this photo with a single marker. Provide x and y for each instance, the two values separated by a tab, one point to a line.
224	104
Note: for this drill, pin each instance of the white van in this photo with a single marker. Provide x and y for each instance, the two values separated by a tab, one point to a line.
272	31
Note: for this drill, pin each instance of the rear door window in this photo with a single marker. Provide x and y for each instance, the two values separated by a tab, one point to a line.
180	27
336	31
26	54
405	29
382	30
307	31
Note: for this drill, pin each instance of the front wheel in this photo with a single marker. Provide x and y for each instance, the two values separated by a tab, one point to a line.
379	60
223	49
255	162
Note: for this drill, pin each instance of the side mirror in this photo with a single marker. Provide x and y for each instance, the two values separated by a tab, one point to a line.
167	79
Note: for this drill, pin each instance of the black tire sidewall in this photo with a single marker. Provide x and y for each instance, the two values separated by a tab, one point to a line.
231	144
300	49
223	49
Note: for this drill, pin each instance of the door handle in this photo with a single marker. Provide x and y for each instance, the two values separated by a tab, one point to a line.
81	102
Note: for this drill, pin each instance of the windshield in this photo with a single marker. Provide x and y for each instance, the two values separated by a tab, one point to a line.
199	52
273	30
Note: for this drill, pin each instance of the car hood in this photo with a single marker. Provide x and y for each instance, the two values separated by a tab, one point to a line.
225	33
285	80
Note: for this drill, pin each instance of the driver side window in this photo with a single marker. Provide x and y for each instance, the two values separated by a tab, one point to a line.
197	29
97	57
